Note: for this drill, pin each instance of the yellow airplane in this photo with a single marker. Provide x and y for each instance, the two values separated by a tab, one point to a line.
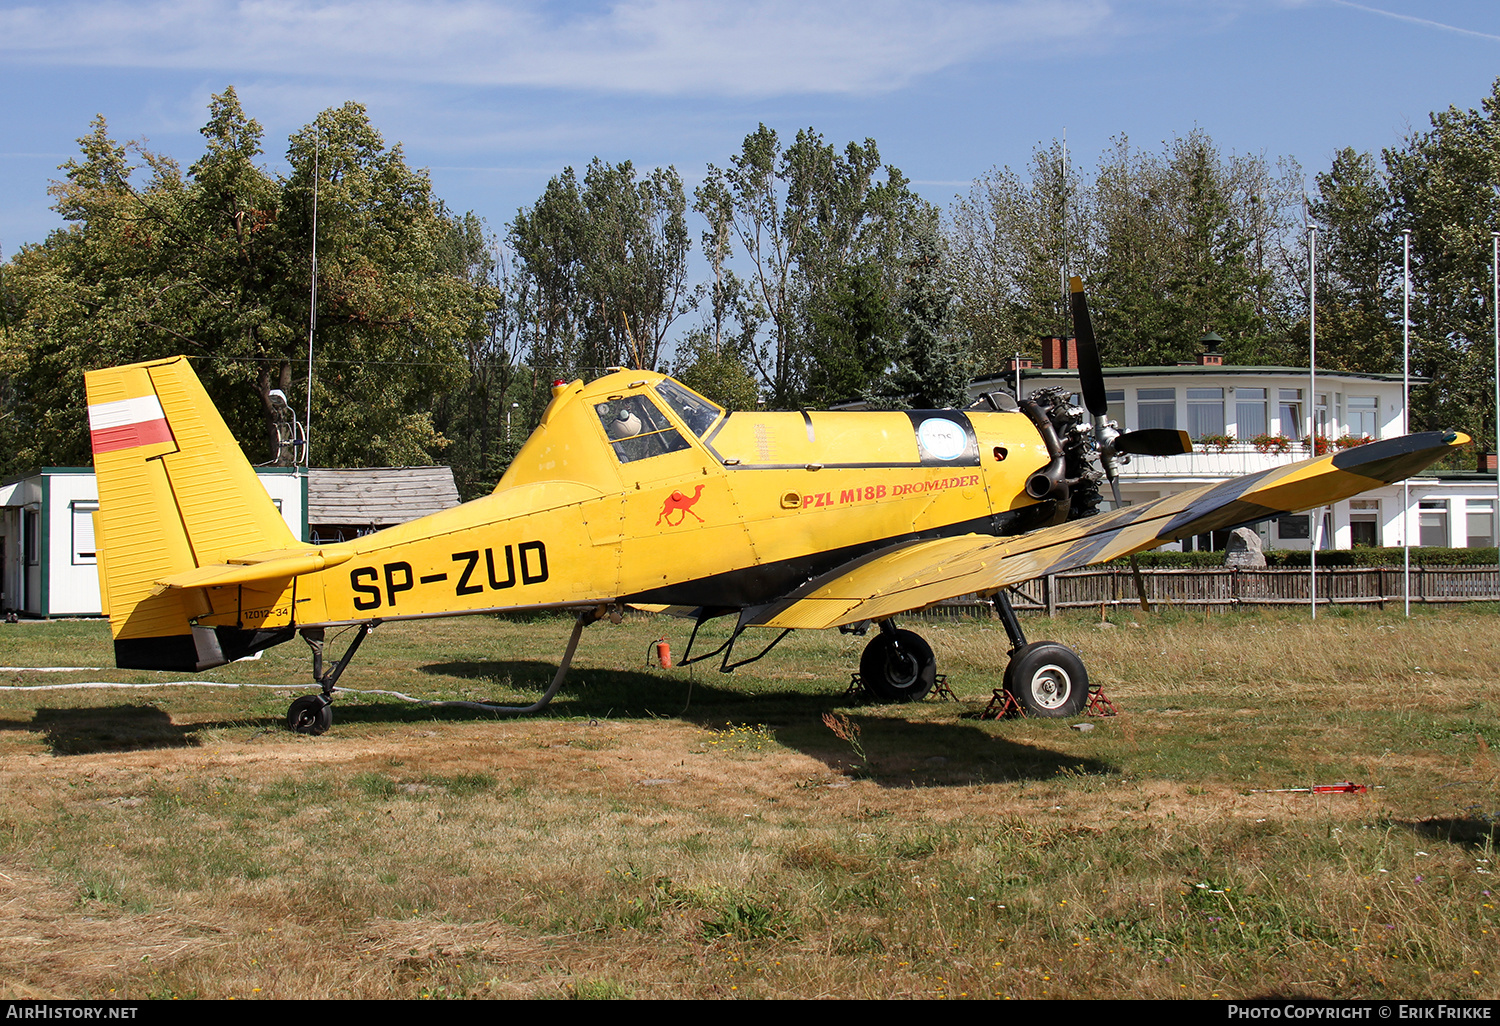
636	491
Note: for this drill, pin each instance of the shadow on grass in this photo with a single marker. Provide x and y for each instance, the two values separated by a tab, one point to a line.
1478	831
902	746
898	751
113	728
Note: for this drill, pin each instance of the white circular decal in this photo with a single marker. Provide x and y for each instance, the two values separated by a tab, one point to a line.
942	439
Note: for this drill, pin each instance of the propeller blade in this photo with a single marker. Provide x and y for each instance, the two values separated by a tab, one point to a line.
1090	372
1154	442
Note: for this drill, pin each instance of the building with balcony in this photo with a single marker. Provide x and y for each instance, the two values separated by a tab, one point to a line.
1247	419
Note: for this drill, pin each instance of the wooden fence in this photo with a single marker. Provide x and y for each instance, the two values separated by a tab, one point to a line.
1215	588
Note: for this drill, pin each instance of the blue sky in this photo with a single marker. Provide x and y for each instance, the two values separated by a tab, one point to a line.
496	96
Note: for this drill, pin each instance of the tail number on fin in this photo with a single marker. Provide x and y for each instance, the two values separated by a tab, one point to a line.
374	587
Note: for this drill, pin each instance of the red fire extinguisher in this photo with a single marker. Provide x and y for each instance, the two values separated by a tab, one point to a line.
664	654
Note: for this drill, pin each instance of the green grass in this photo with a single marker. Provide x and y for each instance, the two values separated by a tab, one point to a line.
688	834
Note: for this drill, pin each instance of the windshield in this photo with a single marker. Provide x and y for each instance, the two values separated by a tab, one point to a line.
696	412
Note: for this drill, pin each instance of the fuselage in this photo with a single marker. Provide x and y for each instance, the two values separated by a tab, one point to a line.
635	489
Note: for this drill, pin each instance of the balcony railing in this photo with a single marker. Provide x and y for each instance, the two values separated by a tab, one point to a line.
1231	460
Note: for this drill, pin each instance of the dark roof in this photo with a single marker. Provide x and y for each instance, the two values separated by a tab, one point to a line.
378	496
1193	369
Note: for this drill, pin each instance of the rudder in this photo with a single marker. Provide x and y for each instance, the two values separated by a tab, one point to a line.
175	493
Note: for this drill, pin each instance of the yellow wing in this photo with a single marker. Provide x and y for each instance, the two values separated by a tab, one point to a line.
917	574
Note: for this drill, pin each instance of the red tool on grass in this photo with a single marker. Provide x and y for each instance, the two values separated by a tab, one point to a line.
1342	787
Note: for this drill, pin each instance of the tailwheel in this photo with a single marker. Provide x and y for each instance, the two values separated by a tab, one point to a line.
1047	679
310	714
898	666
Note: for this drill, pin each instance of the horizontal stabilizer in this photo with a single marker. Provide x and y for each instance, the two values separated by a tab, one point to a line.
266	566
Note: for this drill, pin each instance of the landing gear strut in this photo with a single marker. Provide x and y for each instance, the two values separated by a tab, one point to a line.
897	665
1047	679
313	714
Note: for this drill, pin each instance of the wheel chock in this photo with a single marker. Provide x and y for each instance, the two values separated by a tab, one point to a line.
1099	703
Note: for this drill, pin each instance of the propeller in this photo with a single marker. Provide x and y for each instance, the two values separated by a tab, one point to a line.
1154	442
1111	441
1115	447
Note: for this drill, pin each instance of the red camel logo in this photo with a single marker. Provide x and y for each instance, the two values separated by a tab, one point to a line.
682	505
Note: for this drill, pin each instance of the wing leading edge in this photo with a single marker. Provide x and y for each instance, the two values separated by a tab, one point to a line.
921	573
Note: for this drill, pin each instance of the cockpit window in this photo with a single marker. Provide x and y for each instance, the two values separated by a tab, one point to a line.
696	412
637	430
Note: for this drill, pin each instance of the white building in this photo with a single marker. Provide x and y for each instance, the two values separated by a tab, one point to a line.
1248	419
47	562
47	559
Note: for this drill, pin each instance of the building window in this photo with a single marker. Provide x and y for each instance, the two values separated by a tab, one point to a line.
31	527
83	532
1156	408
1364	419
1115	399
1293	527
1205	411
1364	523
1320	414
1249	412
1480	517
1432	520
1289	407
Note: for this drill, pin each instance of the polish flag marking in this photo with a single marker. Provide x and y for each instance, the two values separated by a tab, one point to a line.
127	423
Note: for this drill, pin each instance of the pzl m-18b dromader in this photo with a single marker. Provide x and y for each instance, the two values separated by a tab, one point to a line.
635	491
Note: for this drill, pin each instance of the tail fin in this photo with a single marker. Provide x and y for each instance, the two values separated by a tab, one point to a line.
175	493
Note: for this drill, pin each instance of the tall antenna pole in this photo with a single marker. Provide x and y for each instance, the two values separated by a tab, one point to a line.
1312	405
1063	269
312	302
1406	409
1495	311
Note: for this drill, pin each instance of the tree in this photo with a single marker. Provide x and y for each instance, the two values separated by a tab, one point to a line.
1358	258
1172	245
851	335
1443	189
391	317
822	238
608	262
90	295
714	359
217	265
1186	242
932	369
477	415
1013	243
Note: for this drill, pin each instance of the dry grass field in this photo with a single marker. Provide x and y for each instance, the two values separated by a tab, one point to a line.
687	834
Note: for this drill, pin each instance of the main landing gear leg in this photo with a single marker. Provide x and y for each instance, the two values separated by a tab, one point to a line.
585	618
1047	679
897	665
313	714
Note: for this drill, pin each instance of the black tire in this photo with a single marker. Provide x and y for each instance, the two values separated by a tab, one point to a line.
310	714
898	667
1048	679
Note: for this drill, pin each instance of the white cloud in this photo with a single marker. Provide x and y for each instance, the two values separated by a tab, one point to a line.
655	47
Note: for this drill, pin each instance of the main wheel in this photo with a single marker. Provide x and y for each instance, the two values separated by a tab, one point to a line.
1048	679
310	714
898	667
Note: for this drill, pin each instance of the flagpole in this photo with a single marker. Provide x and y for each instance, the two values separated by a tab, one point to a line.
1406	410
312	302
1495	311
1312	407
